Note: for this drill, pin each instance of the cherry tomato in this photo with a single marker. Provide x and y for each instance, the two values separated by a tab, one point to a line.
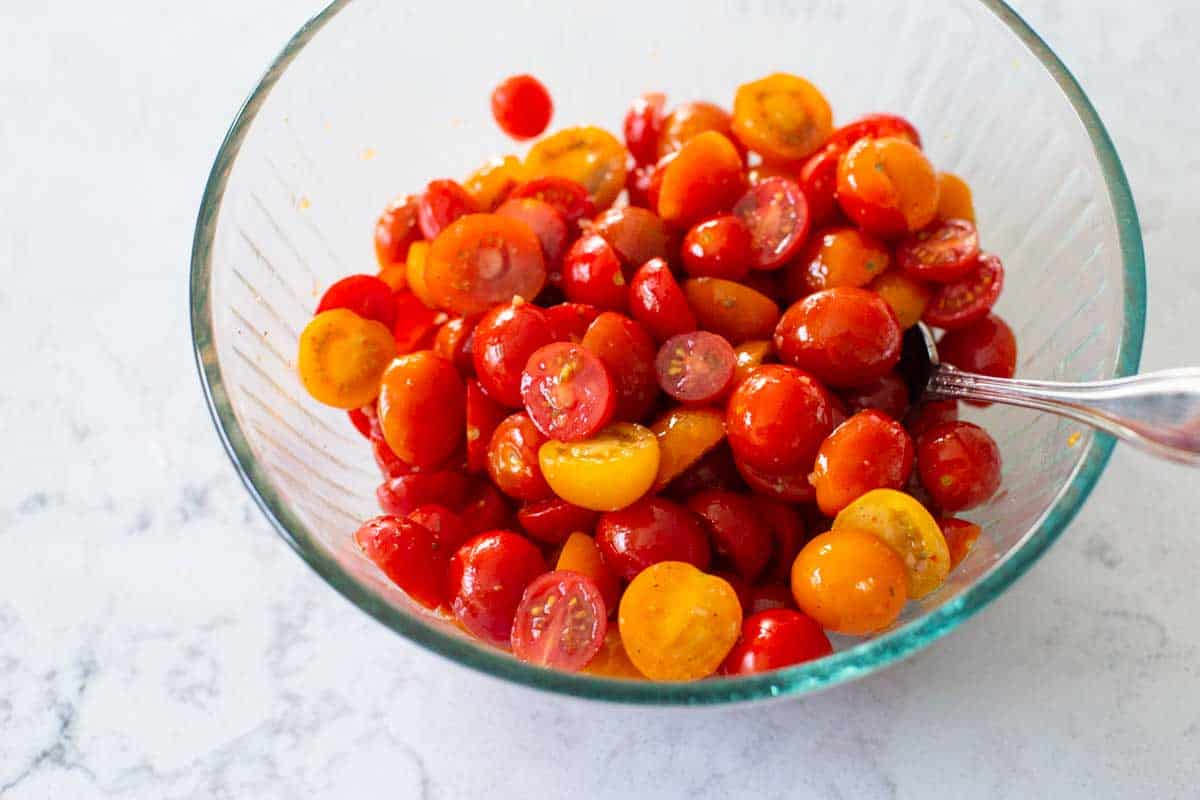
986	346
783	117
570	198
887	186
818	180
704	179
714	470
834	258
944	252
612	661
874	126
628	353
604	473
654	179
569	321
491	183
637	185
567	392
739	533
446	525
592	274
959	465
929	414
775	211
902	523
546	223
687	120
483	415
850	582
365	295
907	297
657	302
481	260
787	533
404	494
750	356
589	156
552	520
960	538
720	247
684	436
637	235
487	579
954	198
412	556
777	418
416	323
767	597
730	309
414	273
521	106
868	451
677	623
422	408
363	419
790	487
505	338
846	336
395	276
957	304
889	394
396	230
695	368
581	554
485	509
444	201
454	342
342	357
774	639
561	621
643	124
512	459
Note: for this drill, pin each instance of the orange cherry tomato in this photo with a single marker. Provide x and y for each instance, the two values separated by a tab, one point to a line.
396	231
605	473
491	183
887	186
904	525
688	120
868	451
850	582
422	408
546	223
836	257
677	623
483	259
782	117
612	661
705	178
512	459
395	276
591	156
750	356
580	554
907	296
731	309
414	273
684	436
954	198
342	357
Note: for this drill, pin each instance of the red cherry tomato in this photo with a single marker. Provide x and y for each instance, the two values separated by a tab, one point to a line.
774	639
447	526
929	414
777	418
415	325
654	180
875	126
787	533
485	509
365	295
658	303
944	252
643	124
522	107
986	346
569	197
552	520
889	394
720	247
789	487
959	465
363	419
487	579
960	536
390	465
592	274
483	416
637	184
505	338
628	353
561	621
818	181
845	336
546	223
411	555
714	470
739	533
696	367
444	202
965	301
570	321
649	531
404	494
637	235
775	211
395	232
770	596
868	451
567	392
454	342
512	459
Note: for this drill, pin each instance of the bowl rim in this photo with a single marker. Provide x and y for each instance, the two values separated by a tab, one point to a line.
843	666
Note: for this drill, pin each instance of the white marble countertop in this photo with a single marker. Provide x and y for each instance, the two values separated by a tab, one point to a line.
157	640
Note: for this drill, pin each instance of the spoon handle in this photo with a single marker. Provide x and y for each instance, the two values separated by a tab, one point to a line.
1158	412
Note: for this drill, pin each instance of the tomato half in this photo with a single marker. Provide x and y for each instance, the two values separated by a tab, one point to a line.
834	258
505	338
868	451
422	408
965	301
778	417
705	178
961	537
487	580
412	556
986	347
567	391
874	126
569	321
782	116
720	247
593	274
907	296
552	520
547	224
688	120
643	124
775	211
636	235
818	180
396	231
483	415
944	252
731	309
628	353
959	465
444	201
560	622
740	535
342	358
491	183
404	494
587	155
512	459
696	368
685	435
607	472
481	260
907	528
581	554
850	582
570	198
887	186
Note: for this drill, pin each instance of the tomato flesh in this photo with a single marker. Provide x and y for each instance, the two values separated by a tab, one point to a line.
775	211
567	392
480	260
561	621
944	252
696	368
957	304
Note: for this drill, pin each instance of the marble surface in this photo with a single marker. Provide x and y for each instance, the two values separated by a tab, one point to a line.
157	640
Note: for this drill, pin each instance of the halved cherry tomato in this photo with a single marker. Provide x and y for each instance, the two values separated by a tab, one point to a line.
818	180
414	273
512	459
569	197
410	554
834	258
444	201
570	321
637	235
678	623
777	419
739	534
485	509
684	436
446	525
552	520
874	126
889	394
986	347
687	120
957	304
775	639
404	494
546	223
416	323
581	554
658	303
560	622
628	353
592	274
849	581
505	338
766	597
396	230
750	356
521	106
365	295
783	117
695	368
587	155
714	470
790	487
775	211
907	528
868	451
959	465
481	260
907	297
954	198
929	414
787	533
720	247
342	357
643	124
422	408
483	415
491	183
961	536
944	252
705	178
487	579
604	473
731	309
887	186
567	391
844	336
612	661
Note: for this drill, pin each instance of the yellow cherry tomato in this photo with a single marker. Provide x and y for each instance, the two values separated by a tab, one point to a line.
396	276
678	623
605	473
684	436
954	198
850	582
580	554
905	526
612	661
342	358
590	156
414	270
907	296
492	182
782	117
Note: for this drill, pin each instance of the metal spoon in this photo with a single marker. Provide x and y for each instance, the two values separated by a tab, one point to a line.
1158	412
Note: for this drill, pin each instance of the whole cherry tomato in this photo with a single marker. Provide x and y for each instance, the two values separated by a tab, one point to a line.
959	465
846	336
731	309
396	231
657	302
422	408
570	321
628	353
849	582
487	579
720	247
782	116
778	417
410	554
561	621
739	534
342	358
505	338
512	459
552	520
607	472
868	451
365	295
775	211
986	346
521	106
774	639
403	494
444	202
567	391
834	258
649	531
592	274
696	368
643	124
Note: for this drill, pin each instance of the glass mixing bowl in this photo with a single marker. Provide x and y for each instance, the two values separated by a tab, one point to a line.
373	98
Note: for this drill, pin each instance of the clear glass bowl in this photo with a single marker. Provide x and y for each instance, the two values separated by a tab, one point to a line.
371	99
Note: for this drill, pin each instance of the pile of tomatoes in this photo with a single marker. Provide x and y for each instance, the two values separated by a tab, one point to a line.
639	406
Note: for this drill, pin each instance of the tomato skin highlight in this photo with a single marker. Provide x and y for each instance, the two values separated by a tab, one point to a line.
774	639
521	106
487	579
651	530
778	417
